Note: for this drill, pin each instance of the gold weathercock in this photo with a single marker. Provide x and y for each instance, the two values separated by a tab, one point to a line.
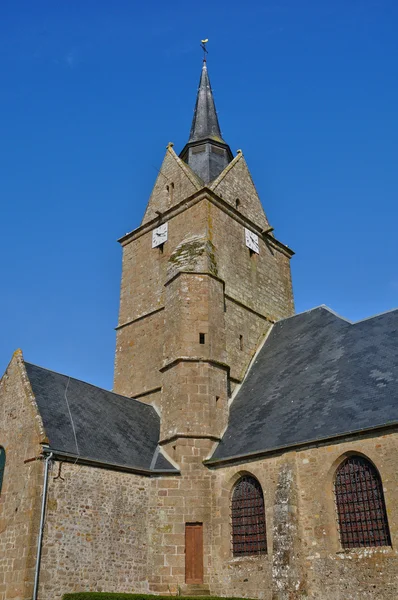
203	46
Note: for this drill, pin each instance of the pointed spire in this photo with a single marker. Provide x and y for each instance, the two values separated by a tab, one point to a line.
206	152
205	123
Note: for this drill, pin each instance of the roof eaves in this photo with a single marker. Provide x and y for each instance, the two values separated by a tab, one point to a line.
85	460
210	462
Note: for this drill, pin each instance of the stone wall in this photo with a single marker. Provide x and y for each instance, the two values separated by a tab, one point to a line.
96	532
141	330
342	574
257	291
261	282
194	400
244	334
20	498
241	576
138	362
305	559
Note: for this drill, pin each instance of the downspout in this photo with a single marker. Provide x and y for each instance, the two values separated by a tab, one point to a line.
41	529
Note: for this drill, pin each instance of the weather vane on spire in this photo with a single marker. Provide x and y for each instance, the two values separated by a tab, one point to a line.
203	46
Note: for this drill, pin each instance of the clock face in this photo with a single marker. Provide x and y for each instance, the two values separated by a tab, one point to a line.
159	235
252	241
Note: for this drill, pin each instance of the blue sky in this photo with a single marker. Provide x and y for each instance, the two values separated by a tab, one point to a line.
92	91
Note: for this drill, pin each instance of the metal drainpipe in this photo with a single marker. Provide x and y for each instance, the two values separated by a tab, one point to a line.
42	516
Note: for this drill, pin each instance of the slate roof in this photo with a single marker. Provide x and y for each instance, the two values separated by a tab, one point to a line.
317	376
205	121
109	428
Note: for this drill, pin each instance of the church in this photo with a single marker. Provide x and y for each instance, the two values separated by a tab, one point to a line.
244	451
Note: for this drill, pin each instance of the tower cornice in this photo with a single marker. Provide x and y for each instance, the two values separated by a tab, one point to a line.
205	194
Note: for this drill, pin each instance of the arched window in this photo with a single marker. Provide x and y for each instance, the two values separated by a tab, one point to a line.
360	504
248	518
2	465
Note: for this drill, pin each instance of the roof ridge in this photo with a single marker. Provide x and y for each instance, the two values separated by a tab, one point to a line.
90	384
324	307
385	312
336	314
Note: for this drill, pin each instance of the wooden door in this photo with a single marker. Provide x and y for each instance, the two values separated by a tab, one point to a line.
194	553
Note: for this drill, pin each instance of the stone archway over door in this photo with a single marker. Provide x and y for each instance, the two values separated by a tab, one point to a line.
194	553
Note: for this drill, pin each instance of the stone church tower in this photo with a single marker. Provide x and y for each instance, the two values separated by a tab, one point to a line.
203	279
